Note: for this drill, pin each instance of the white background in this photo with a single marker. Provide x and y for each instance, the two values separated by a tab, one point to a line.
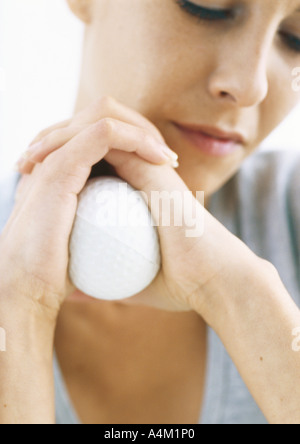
40	55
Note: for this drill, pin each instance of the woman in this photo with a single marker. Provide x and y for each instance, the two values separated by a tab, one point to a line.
214	338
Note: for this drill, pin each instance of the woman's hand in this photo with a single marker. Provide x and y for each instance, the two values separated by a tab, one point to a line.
64	157
34	243
153	147
240	295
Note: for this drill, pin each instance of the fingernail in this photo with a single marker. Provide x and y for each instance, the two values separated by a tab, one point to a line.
171	154
175	164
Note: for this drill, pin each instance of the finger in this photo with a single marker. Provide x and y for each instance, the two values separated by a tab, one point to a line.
51	142
144	176
128	138
24	160
80	154
105	107
48	130
25	166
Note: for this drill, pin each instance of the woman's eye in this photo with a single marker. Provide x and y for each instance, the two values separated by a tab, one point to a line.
291	41
210	14
203	13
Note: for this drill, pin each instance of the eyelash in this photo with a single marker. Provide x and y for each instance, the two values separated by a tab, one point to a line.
202	13
216	15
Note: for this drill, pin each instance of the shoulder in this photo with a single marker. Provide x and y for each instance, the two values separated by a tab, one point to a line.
8	185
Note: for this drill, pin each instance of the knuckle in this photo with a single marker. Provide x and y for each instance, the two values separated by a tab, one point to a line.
106	102
105	127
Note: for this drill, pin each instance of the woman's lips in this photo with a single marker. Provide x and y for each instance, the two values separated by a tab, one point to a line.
210	145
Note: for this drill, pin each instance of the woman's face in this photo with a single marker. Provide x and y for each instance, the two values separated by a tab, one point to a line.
231	70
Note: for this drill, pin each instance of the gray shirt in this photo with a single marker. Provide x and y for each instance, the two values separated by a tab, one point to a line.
261	205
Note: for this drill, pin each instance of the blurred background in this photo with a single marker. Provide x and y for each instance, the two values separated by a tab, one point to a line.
40	56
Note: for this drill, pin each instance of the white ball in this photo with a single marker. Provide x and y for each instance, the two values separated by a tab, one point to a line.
114	245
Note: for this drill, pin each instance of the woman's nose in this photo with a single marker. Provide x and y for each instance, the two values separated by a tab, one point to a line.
241	74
